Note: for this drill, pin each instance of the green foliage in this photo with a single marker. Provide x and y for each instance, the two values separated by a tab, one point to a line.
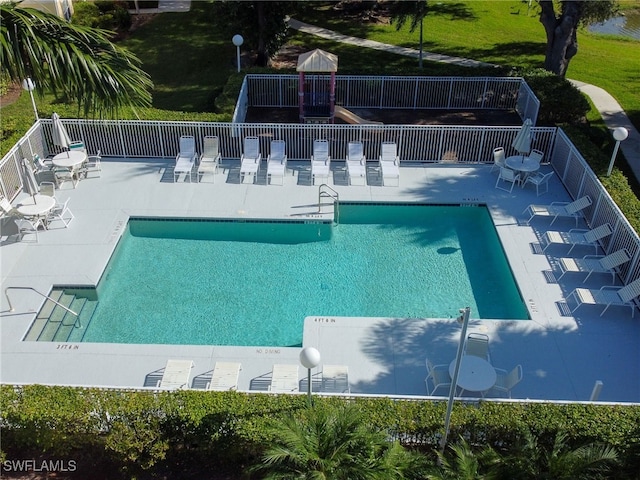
560	101
104	14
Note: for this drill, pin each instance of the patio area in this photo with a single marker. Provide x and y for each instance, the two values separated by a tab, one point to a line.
562	355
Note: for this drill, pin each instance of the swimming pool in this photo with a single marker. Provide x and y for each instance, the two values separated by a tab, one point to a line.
229	282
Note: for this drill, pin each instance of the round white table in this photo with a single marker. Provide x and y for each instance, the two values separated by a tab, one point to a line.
71	159
37	206
475	375
525	165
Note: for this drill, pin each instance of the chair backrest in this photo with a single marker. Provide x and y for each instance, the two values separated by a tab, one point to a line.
579	204
211	147
355	151
498	156
477	345
278	148
48	189
508	174
25	225
5	206
388	152
38	162
615	259
429	364
321	149
513	377
598	233
536	155
187	145
251	147
630	292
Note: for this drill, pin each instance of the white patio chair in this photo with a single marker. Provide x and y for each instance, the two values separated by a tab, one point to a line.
277	161
577	237
507	176
176	374
250	159
560	209
389	163
210	158
60	212
77	145
607	296
27	227
439	377
505	381
335	379
539	179
64	174
320	160
477	344
40	165
93	164
186	157
8	209
356	164
225	376
594	264
498	159
536	156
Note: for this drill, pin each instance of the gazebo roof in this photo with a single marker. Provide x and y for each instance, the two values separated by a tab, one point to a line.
317	61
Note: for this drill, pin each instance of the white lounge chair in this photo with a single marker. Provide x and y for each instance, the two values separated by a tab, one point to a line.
389	163
594	264
607	296
284	378
478	345
320	160
507	176
186	158
505	381
225	376
356	164
498	159
439	377
575	237
176	374
277	161
539	179
61	212
250	159
560	209
210	158
335	378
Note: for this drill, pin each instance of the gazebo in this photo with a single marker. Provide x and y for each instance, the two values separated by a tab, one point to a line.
316	98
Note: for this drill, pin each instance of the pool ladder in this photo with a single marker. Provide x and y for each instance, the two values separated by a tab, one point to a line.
325	191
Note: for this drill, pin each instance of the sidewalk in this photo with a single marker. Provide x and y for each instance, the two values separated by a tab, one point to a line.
611	111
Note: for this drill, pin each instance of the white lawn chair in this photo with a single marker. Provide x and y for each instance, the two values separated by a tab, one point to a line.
320	160
335	379
439	377
539	179
93	164
478	345
250	159
186	158
498	159
575	237
210	158
536	156
356	164
505	381
61	212
607	296
27	227
176	374
284	378
560	209
277	161
8	209
507	176
225	376
594	264
389	163
64	174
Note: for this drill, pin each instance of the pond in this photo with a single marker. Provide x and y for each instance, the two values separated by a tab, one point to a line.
626	26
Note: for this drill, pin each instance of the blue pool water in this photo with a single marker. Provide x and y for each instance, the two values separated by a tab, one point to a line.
253	283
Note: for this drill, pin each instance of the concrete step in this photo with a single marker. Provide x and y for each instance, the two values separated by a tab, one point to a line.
77	334
55	319
43	316
69	321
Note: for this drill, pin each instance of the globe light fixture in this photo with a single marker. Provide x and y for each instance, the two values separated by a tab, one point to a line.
309	358
619	134
29	86
238	41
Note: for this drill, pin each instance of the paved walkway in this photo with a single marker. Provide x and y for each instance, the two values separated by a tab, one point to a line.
611	111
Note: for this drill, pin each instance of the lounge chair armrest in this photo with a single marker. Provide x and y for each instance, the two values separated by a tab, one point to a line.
611	287
578	230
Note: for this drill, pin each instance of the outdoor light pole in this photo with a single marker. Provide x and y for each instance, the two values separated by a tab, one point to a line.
238	41
464	318
28	85
619	134
309	358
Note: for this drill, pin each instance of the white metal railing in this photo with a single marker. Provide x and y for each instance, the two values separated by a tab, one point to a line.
417	92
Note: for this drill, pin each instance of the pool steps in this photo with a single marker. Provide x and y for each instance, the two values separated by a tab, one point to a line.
54	324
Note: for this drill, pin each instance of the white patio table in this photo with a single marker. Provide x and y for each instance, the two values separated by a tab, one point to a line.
475	375
524	165
72	159
36	207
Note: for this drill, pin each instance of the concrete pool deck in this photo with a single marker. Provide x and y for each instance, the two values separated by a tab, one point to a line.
561	355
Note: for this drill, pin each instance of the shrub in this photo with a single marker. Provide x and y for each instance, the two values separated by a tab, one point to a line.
105	14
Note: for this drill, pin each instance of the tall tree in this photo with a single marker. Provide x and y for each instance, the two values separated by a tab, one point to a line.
413	12
561	20
75	61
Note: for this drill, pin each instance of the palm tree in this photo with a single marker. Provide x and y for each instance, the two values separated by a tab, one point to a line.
76	61
334	443
413	11
462	463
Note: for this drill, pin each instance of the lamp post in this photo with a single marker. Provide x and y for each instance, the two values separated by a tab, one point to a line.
28	85
237	41
309	358
619	134
464	318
